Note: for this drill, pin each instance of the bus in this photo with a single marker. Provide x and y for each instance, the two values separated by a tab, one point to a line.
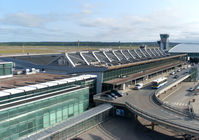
159	82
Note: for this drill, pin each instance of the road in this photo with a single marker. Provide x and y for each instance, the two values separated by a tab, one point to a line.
118	128
181	96
142	100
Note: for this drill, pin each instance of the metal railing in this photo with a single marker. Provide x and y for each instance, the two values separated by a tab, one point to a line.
158	119
184	111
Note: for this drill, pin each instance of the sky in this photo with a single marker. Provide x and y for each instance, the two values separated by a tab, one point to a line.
98	20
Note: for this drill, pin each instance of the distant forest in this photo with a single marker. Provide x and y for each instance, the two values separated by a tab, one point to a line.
90	44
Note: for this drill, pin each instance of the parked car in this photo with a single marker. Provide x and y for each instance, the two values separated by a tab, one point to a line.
118	93
191	89
176	76
138	86
178	70
107	96
111	95
114	95
172	73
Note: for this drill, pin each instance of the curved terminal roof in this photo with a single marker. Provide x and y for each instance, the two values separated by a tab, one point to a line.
185	48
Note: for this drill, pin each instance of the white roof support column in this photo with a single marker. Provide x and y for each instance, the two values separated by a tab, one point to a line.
106	56
124	54
131	54
148	53
152	52
160	51
93	52
69	60
142	52
115	55
137	54
80	53
157	52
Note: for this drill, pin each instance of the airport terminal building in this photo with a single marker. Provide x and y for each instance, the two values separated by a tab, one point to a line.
192	51
29	103
59	101
114	68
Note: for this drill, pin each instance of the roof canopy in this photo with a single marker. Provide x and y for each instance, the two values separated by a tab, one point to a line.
185	48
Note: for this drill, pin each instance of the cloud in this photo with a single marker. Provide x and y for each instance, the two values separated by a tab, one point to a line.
87	9
86	25
145	27
24	19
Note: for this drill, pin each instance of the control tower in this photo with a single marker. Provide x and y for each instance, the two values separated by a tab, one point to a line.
164	42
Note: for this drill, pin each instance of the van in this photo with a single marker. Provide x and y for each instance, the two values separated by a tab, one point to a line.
138	86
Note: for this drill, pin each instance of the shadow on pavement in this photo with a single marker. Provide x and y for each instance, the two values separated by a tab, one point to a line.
128	129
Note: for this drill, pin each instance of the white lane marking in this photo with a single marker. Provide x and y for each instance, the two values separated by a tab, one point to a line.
170	94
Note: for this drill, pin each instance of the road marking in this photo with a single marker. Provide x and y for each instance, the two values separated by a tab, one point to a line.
170	94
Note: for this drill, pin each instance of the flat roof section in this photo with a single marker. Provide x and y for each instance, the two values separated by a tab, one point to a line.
26	80
38	81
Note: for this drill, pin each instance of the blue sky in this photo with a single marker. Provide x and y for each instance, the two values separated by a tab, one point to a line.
98	20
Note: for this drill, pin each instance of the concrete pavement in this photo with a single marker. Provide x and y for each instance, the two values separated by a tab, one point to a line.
128	129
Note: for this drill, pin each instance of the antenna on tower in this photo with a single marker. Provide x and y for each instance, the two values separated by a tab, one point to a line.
23	49
78	44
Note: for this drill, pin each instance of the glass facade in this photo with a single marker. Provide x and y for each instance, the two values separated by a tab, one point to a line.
77	128
5	69
193	54
21	120
113	74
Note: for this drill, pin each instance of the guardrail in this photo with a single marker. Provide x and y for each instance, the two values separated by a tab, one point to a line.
168	86
167	123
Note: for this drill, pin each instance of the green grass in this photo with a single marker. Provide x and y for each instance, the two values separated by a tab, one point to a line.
9	50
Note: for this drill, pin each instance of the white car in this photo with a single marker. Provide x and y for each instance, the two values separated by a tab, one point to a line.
172	73
138	86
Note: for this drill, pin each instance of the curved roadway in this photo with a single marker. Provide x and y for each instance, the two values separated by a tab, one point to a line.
141	103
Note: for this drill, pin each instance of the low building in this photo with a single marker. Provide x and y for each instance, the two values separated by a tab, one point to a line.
33	102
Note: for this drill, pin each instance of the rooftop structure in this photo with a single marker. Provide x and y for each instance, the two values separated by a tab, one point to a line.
19	81
185	48
192	51
107	64
103	58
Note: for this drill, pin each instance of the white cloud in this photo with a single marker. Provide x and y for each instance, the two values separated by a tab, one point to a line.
87	9
144	28
89	26
23	19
